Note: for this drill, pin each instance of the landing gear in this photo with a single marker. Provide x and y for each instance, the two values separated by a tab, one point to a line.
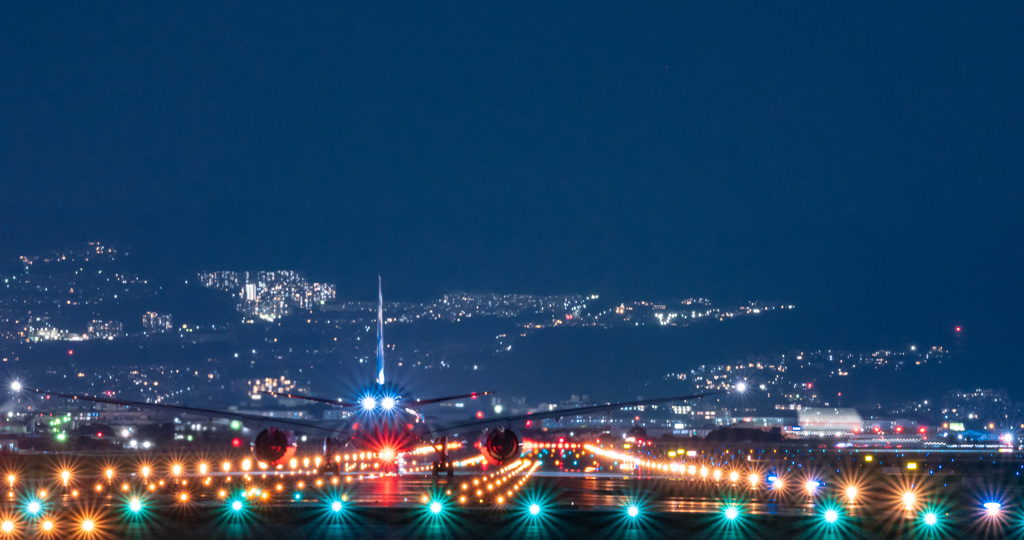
443	463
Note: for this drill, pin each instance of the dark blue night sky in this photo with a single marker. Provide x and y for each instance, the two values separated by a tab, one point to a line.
861	159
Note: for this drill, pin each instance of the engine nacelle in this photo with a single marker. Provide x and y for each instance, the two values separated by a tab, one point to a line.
274	446
500	446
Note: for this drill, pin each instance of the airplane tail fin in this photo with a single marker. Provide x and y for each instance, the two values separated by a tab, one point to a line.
380	334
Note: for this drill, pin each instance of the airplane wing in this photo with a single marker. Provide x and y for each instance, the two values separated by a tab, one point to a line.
570	412
193	410
402	403
338	402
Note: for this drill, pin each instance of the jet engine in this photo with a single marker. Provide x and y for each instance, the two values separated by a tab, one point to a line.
500	446
274	446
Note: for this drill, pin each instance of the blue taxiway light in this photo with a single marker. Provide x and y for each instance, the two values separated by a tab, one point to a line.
831	516
534	509
930	519
436	507
135	505
34	507
731	513
236	506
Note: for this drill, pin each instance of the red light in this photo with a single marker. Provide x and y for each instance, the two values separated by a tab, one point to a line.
957	328
479	414
899	429
810	385
473	396
529	423
568	317
921	430
99	434
236	442
561	440
73	352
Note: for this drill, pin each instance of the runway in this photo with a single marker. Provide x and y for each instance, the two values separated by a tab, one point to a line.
175	496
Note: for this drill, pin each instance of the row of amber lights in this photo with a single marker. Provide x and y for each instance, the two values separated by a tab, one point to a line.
462	463
490	484
178	476
904	495
65	474
703	472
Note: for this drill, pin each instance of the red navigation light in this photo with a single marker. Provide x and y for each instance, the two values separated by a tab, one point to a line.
236	442
561	440
472	396
99	434
899	429
921	429
958	328
73	352
568	317
810	385
529	423
479	414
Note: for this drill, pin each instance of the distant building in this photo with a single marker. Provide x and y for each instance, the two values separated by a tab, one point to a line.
104	330
157	322
829	422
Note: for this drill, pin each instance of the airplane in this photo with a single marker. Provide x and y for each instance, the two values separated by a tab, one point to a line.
387	424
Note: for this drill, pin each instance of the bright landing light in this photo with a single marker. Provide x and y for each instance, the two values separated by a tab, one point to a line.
387	404
435	507
16	386
369	403
930	519
831	516
336	506
632	511
992	508
731	513
741	387
534	509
